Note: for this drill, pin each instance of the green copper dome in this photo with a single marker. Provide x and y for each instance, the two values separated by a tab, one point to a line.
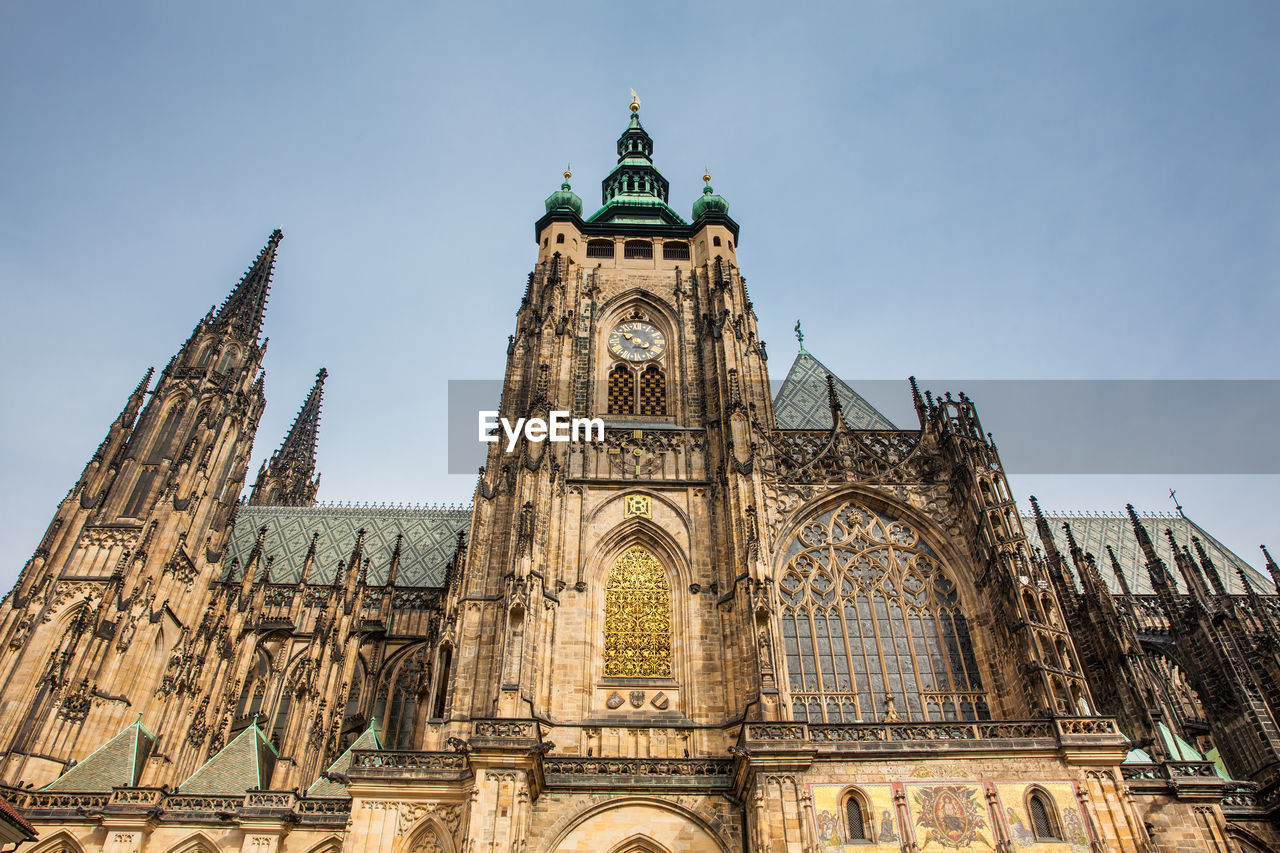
564	199
709	202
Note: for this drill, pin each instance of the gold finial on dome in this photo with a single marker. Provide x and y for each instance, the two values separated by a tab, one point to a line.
635	102
706	174
568	172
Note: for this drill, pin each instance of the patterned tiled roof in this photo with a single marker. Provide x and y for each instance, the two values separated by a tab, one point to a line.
117	763
243	765
327	787
801	402
430	537
1094	531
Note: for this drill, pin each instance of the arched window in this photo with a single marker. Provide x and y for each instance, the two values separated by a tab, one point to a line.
227	361
872	626
638	249
715	241
408	688
622	391
600	249
160	447
855	822
253	694
1043	819
653	391
137	505
559	238
637	618
442	683
675	251
205	355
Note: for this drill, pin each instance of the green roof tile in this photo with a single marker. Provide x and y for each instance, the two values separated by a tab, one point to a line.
430	538
243	765
117	763
327	787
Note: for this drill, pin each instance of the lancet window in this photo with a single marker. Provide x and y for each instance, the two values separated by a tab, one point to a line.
871	625
622	391
653	391
637	618
402	694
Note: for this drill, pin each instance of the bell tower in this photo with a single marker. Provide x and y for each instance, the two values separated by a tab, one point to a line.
599	571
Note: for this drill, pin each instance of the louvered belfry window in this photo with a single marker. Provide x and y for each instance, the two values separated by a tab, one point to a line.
653	391
622	391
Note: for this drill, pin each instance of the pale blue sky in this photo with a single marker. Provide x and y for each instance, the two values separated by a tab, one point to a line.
988	190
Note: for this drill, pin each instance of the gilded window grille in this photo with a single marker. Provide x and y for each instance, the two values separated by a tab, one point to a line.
872	627
637	618
653	391
622	391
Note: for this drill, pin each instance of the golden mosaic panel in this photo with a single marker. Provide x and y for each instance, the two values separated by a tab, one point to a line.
637	618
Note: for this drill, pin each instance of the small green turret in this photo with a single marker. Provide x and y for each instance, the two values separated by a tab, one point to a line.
565	198
709	202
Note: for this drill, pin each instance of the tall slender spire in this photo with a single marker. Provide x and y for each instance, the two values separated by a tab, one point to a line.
1272	567
289	478
1118	571
245	307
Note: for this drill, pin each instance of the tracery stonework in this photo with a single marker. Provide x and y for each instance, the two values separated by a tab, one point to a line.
637	618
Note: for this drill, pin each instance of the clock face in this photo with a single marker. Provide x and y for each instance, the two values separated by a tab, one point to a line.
636	341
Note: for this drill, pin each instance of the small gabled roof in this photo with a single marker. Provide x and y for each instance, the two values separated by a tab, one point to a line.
801	402
117	763
323	787
243	765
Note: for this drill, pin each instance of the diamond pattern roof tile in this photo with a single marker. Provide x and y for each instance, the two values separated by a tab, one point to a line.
430	537
801	402
1095	531
117	763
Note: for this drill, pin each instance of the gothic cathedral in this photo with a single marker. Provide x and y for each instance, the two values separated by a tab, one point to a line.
734	621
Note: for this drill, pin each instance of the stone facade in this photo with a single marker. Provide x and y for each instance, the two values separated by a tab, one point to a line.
702	632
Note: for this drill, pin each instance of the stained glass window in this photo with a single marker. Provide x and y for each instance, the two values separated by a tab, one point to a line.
871	625
637	618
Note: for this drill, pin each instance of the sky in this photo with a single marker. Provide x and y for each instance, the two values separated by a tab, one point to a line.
960	190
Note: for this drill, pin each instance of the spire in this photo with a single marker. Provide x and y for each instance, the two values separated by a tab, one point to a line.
1063	579
1272	567
245	307
1209	568
635	192
1187	567
289	477
1161	582
1118	571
